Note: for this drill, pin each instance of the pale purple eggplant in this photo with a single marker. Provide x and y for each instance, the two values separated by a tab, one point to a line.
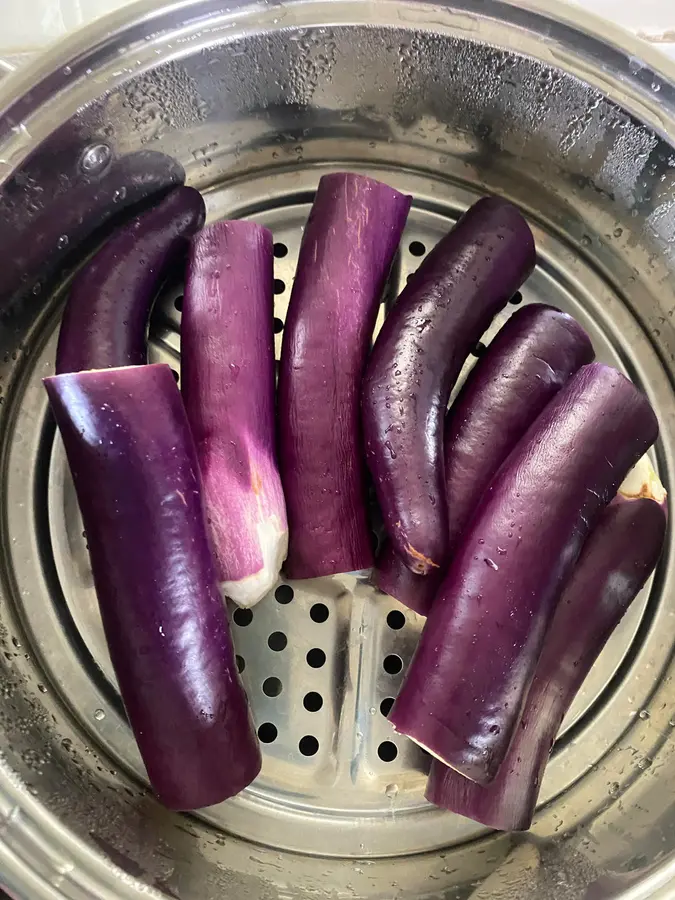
465	688
227	380
461	285
618	557
105	321
531	358
134	465
347	249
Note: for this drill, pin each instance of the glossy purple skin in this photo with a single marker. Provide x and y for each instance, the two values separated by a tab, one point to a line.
531	358
348	246
135	470
227	381
615	563
52	197
106	317
465	688
462	284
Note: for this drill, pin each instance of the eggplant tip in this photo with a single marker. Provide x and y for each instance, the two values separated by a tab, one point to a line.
273	543
643	482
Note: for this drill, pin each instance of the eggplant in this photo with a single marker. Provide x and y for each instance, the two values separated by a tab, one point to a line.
531	358
228	384
347	249
105	320
465	688
134	465
462	284
618	557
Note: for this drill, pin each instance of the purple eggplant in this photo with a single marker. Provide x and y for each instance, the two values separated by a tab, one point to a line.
227	377
464	691
618	557
347	249
106	317
528	362
136	474
462	284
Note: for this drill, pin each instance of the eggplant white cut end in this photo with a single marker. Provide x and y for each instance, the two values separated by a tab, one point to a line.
643	481
273	543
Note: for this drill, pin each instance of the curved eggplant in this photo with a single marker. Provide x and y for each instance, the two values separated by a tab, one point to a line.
106	317
616	561
135	470
227	381
462	284
347	250
531	358
465	688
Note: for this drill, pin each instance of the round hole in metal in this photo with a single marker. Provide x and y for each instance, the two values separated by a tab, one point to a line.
479	349
318	612
387	751
242	617
516	299
241	663
417	248
386	705
316	658
272	686
283	594
267	732
178	303
278	325
175	375
312	701
277	641
392	664
396	619
280	250
279	286
308	745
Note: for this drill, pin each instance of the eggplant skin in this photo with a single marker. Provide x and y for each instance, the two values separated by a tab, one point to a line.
106	316
616	561
227	381
135	470
461	285
534	354
347	249
465	689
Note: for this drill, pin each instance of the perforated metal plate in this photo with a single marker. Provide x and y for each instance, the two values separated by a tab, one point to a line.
322	659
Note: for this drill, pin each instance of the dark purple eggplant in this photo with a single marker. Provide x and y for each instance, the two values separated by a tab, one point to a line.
227	380
106	317
464	691
347	250
616	561
462	284
52	206
531	358
136	474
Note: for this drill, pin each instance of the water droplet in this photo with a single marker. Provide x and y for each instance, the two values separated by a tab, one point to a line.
67	70
95	158
99	715
585	241
119	194
644	763
391	791
644	714
42	688
614	788
62	241
391	450
491	563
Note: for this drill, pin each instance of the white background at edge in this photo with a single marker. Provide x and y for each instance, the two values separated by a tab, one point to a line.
30	25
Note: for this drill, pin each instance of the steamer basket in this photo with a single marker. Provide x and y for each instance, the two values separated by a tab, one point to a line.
251	104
